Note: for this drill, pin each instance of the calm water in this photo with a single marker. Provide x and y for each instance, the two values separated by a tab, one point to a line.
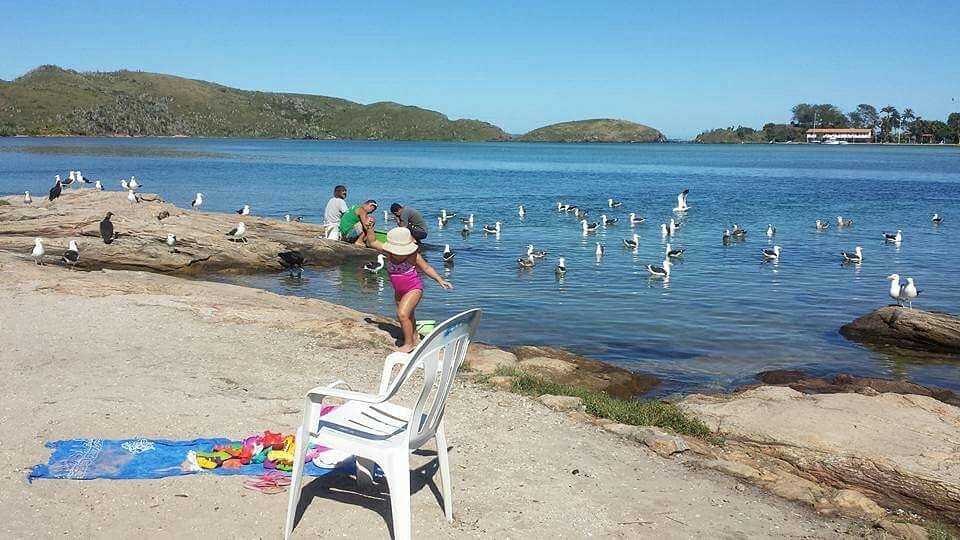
721	318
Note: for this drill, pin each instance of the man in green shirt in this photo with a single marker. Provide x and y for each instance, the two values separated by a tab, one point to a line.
355	223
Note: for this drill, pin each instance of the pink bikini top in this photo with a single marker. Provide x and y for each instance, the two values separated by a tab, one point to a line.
401	267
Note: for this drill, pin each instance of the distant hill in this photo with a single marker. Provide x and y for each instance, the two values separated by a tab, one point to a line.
595	130
50	100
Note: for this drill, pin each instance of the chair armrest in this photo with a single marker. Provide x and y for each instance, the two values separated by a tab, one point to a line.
321	392
392	360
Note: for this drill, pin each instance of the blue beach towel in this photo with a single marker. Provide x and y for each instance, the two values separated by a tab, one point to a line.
88	459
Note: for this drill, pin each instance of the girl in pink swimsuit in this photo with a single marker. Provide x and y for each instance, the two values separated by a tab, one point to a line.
403	261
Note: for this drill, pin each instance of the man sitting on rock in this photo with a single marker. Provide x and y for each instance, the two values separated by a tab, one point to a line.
336	208
357	221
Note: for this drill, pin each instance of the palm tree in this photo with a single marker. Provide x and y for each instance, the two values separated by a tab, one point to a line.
907	117
889	111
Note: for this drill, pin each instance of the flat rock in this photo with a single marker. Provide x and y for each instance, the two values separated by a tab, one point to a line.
561	403
855	504
564	367
202	244
868	386
905	531
897	450
906	328
658	440
486	359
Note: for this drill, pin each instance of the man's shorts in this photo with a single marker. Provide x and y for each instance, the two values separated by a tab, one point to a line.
417	233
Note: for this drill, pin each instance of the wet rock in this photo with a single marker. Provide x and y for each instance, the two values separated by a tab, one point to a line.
564	367
561	403
486	359
907	328
867	386
855	504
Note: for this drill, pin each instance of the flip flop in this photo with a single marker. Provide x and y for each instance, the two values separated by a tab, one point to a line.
270	483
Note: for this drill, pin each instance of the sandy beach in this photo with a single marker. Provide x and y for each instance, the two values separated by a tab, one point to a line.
117	354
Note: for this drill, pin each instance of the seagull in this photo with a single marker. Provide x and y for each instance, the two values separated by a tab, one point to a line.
377	266
27	199
895	288
57	189
727	235
492	229
673	227
72	255
894	238
843	222
739	233
448	254
238	233
124	185
81	179
607	221
632	243
909	292
197	201
38	251
682	201
465	231
70	178
286	217
634	220
613	203
855	257
526	263
599	251
98	186
822	225
772	254
162	215
660	271
388	217
535	253
245	211
133	183
673	253
937	220
298	219
664	231
172	242
106	229
589	227
467	220
771	230
445	215
561	207
133	197
521	212
441	222
561	269
292	261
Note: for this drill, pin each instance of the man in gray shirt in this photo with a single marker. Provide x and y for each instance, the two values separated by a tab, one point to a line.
336	208
410	218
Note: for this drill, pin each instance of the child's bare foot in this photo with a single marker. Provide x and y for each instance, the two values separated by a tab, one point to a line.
405	348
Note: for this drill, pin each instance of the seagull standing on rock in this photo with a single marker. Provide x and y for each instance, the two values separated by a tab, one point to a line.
56	190
106	229
72	255
909	292
98	186
38	251
133	183
133	197
27	199
895	288
239	233
172	242
124	185
197	201
245	211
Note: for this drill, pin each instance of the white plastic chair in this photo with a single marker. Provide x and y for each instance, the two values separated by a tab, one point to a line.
370	427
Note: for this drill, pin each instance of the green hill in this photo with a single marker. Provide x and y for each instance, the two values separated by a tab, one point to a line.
595	130
53	101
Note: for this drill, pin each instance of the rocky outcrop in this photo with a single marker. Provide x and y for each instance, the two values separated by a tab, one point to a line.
202	244
907	328
564	367
845	384
899	451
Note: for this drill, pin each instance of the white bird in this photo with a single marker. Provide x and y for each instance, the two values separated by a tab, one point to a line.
560	206
124	185
245	211
589	227
521	211
673	227
467	220
682	201
38	251
133	183
197	201
561	268
599	250
739	232
895	238
535	253
895	288
771	230
664	231
613	203
377	266
465	231
607	221
286	217
634	220
448	254
673	253
937	219
492	229
660	271
441	222
98	186
172	242
844	222
132	197
727	236
909	292
632	243
72	255
526	262
27	199
238	233
772	254
855	257
445	215
822	225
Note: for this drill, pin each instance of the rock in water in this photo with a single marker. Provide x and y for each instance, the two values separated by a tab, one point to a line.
907	328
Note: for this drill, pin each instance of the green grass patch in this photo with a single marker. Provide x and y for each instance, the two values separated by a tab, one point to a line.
939	531
600	404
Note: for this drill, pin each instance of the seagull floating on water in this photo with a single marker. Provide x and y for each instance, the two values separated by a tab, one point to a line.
239	233
38	251
673	227
727	236
448	254
660	271
561	269
632	243
197	201
467	220
375	267
245	211
613	203
589	227
843	222
492	229
292	261
599	251
894	238
535	253
855	257
56	190
771	230
106	229
445	215
172	242
664	231
634	220
682	201
772	254
441	222
822	225
525	263
465	231
72	255
27	199
738	232
521	212
937	219
608	221
673	253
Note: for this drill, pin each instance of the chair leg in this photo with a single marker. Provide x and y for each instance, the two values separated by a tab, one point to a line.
397	471
299	454
445	488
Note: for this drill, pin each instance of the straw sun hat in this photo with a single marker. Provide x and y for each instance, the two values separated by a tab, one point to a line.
400	242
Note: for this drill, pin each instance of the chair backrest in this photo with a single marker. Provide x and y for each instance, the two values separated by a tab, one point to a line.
440	354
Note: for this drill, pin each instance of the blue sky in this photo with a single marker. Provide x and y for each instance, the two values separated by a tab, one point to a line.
679	66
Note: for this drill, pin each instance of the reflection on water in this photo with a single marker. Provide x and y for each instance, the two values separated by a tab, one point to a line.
127	150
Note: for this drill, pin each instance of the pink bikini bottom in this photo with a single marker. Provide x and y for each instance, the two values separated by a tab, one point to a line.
406	282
